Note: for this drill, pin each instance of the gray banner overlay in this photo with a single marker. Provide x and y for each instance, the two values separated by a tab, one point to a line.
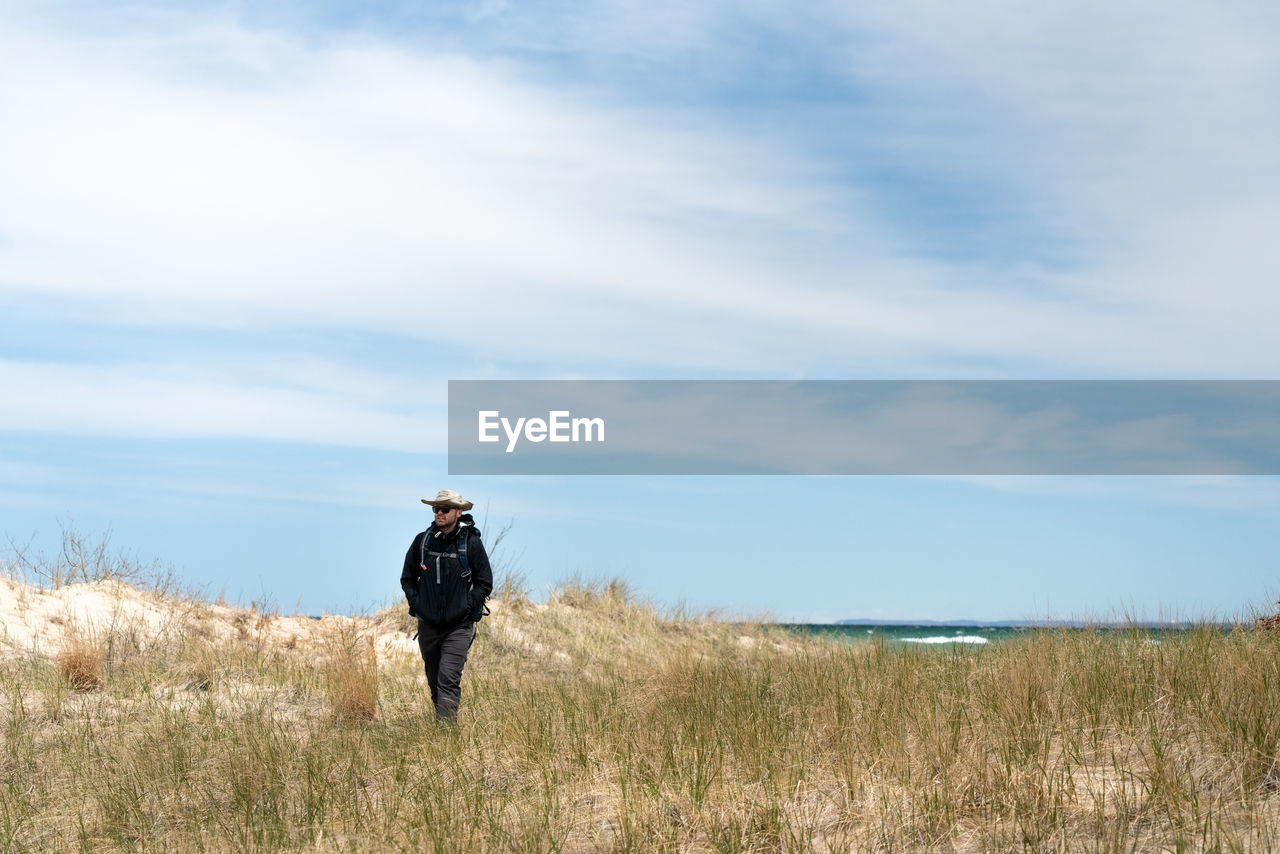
936	427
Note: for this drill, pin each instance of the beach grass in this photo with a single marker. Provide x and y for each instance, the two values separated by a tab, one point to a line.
592	722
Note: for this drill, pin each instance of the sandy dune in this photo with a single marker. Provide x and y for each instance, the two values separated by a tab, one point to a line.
35	621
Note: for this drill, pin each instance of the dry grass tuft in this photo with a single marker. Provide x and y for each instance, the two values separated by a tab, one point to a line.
202	670
1270	622
353	676
80	660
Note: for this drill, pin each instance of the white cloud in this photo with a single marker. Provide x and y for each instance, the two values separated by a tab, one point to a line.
201	171
370	185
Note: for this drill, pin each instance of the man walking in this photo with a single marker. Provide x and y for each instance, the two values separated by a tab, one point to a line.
446	579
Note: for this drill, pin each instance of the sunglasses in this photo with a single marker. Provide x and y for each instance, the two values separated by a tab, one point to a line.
444	509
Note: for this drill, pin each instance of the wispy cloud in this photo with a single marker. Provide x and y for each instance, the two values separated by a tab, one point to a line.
195	402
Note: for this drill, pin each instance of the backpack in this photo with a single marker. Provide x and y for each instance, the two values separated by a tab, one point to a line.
464	536
462	549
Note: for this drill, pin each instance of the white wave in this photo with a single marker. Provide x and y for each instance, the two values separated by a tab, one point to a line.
947	639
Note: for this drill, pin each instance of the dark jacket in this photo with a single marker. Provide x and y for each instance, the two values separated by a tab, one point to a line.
433	579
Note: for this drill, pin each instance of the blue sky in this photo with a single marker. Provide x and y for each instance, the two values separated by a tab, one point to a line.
242	252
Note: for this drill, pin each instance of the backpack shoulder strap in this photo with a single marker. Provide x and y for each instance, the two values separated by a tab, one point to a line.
422	549
463	536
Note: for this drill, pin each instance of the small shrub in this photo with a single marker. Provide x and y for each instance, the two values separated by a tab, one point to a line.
619	592
80	661
578	592
614	595
1268	623
353	676
81	558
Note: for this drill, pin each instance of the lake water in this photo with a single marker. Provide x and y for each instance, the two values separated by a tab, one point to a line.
950	636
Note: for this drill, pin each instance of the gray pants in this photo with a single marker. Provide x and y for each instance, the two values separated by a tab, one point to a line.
444	652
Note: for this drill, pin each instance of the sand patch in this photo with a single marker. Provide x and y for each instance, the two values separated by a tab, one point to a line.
36	621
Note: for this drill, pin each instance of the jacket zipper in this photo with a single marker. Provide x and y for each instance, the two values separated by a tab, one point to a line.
437	569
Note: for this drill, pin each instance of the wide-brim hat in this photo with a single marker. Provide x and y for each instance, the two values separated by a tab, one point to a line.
449	498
